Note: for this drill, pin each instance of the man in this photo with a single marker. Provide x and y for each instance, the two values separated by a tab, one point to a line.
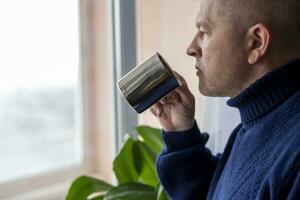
248	50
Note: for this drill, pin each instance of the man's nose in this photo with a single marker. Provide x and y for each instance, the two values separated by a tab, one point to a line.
194	49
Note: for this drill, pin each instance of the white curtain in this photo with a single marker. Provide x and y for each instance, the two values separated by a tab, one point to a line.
218	120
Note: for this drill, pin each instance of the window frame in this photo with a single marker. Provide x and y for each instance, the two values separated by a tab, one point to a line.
124	59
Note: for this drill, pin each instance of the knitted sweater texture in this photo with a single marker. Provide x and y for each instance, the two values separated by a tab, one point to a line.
262	157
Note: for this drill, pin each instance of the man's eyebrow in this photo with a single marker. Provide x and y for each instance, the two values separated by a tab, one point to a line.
201	23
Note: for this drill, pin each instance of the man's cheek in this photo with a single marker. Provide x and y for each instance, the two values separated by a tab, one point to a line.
209	61
211	54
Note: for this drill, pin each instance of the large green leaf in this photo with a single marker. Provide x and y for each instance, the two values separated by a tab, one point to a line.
131	191
98	198
161	194
151	136
144	159
84	186
134	163
124	166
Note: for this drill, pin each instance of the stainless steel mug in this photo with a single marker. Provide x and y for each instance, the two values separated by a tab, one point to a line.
148	83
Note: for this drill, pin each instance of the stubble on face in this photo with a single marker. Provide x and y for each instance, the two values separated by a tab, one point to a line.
222	55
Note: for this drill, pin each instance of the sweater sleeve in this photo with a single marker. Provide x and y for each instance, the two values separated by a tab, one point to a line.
185	166
295	189
291	185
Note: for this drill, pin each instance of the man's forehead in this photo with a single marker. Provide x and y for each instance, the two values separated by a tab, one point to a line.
206	5
202	19
206	9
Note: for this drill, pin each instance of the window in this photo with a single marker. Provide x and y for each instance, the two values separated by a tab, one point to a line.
216	122
40	107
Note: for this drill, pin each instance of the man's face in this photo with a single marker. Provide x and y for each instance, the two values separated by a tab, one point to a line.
219	52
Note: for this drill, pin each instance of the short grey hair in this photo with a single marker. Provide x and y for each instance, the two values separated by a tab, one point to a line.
281	16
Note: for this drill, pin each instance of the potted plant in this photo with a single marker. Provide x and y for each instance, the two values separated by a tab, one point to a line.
134	168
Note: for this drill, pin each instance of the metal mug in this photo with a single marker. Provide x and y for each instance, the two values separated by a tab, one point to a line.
147	83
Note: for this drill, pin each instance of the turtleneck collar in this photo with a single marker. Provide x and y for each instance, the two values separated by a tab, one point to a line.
267	92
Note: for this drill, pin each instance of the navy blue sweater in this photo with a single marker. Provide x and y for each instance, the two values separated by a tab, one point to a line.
262	157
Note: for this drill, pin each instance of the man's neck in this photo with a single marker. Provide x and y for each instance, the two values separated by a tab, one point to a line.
264	67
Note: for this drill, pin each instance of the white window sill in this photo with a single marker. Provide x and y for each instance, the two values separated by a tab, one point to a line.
55	191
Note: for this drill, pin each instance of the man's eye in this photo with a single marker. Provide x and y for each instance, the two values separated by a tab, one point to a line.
202	33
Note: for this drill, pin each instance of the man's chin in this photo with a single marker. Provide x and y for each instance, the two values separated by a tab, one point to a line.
211	92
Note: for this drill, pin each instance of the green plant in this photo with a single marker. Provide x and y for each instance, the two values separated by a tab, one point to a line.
134	168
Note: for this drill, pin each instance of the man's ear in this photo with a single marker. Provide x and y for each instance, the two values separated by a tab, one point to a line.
258	42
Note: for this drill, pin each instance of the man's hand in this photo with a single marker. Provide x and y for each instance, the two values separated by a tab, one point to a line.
176	111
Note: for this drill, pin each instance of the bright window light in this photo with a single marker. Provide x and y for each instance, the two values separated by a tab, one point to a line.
39	87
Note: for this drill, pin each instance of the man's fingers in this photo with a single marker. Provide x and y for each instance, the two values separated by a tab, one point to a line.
180	78
152	111
157	110
180	95
183	90
174	97
163	100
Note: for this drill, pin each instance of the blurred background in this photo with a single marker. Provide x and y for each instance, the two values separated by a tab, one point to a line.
61	114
